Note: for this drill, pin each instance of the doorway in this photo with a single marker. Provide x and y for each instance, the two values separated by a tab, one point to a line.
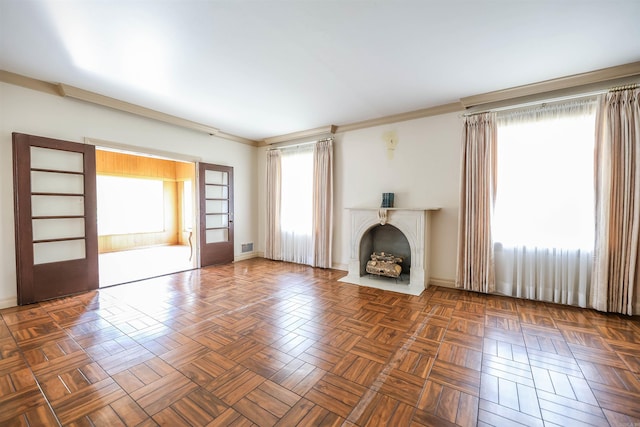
146	216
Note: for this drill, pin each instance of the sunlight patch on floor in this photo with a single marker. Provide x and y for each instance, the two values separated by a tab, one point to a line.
138	264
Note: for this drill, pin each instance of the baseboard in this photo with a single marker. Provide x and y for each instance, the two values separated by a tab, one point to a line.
446	283
247	255
8	302
337	266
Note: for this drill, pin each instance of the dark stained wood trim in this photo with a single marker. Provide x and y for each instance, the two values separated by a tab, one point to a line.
56	171
22	214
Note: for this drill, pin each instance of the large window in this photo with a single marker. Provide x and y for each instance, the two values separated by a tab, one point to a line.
544	220
545	184
297	204
129	205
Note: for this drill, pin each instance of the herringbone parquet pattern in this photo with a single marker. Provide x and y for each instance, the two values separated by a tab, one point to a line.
267	343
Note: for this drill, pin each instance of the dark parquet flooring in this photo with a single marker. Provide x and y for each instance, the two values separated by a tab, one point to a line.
266	343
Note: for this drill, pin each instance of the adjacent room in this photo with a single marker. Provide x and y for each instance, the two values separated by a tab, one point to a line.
145	216
305	213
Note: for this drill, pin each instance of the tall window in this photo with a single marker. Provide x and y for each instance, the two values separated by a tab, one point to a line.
545	181
544	220
296	214
299	211
129	205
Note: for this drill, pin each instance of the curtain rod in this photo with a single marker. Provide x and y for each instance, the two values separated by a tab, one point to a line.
624	87
284	146
537	102
553	99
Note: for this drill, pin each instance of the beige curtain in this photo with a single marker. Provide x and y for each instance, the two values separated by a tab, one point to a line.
274	175
617	159
322	203
476	270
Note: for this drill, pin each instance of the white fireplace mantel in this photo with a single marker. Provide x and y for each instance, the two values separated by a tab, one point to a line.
414	224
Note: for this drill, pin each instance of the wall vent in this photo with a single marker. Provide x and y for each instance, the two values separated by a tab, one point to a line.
247	247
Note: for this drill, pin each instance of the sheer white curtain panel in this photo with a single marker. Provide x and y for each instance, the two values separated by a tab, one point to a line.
274	180
296	213
543	226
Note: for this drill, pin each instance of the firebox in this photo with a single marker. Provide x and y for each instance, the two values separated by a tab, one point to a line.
390	240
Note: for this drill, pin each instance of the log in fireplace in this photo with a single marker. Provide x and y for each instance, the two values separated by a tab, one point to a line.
382	264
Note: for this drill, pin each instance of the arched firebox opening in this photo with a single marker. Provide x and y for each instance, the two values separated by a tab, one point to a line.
388	239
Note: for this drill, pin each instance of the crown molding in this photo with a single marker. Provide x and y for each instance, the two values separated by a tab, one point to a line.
577	83
116	104
29	83
402	117
297	136
591	78
237	138
64	90
333	129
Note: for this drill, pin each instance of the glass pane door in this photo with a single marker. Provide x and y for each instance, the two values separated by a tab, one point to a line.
216	206
216	214
55	215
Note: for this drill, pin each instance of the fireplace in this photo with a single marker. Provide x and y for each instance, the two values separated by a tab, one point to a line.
401	232
388	239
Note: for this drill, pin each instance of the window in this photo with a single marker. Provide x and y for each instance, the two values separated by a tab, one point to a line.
544	220
544	194
297	204
129	205
297	187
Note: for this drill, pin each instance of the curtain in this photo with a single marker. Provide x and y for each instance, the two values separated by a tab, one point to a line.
274	178
544	219
322	203
297	204
475	269
546	274
617	201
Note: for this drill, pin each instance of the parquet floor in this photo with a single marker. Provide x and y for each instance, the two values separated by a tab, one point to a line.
266	343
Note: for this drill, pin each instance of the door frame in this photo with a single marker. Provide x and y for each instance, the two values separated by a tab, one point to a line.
167	155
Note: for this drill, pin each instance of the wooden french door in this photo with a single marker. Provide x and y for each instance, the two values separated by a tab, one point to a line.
55	217
216	214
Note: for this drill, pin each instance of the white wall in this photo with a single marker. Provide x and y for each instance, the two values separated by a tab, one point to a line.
27	111
423	173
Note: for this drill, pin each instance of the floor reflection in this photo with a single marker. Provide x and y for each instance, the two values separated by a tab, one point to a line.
138	264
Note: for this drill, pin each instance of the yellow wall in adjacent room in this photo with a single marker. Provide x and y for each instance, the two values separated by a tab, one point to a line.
131	166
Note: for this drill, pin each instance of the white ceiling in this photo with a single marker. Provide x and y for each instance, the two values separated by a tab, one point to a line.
269	67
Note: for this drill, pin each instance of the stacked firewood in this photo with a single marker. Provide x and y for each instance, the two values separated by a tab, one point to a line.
384	264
